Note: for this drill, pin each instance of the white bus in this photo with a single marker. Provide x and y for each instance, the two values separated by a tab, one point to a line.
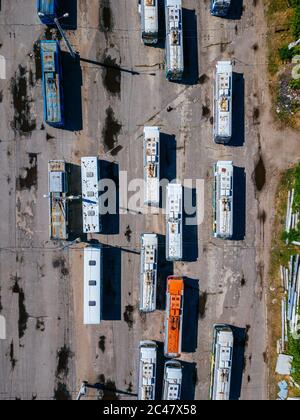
172	381
90	195
148	275
174	40
147	370
223	103
149	21
151	165
221	366
92	285
174	220
223	200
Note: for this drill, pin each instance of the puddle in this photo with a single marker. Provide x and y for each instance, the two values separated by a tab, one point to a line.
203	79
13	361
260	174
128	315
61	393
128	233
111	75
205	111
105	16
63	356
22	121
23	315
40	325
108	389
60	262
30	179
202	304
111	130
37	60
101	343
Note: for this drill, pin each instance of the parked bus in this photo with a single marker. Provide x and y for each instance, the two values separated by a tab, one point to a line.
52	83
48	10
147	370
223	200
174	40
149	21
223	102
172	381
174	316
221	362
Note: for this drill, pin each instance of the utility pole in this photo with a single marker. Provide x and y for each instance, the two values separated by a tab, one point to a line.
61	31
56	21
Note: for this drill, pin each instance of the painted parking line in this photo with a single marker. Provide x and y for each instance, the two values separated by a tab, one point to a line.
2	328
2	68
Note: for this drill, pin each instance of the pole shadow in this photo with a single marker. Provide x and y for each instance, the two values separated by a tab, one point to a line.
235	10
111	304
75	206
237	362
165	269
72	82
190	231
110	222
239	204
69	6
190	46
190	315
238	110
189	381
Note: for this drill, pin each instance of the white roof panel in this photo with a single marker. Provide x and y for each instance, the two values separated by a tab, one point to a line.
90	195
92	285
224	199
147	371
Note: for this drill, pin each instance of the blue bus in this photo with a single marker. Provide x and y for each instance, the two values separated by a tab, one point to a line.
48	10
220	7
52	83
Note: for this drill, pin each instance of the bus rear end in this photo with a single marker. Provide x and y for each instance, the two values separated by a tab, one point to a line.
47	11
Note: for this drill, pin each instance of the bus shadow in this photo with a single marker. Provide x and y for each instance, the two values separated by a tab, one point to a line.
235	10
190	227
72	82
69	6
237	362
238	110
75	206
111	220
189	381
190	45
160	358
161	26
111	304
165	269
190	315
168	163
239	204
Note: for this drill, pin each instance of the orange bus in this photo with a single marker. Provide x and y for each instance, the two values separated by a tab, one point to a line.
174	316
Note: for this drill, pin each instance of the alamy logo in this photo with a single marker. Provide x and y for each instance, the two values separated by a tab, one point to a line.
128	197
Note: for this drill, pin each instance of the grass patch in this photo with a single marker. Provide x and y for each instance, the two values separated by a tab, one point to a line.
280	255
283	19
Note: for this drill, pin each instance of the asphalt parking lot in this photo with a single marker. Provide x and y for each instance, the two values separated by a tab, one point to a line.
48	352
